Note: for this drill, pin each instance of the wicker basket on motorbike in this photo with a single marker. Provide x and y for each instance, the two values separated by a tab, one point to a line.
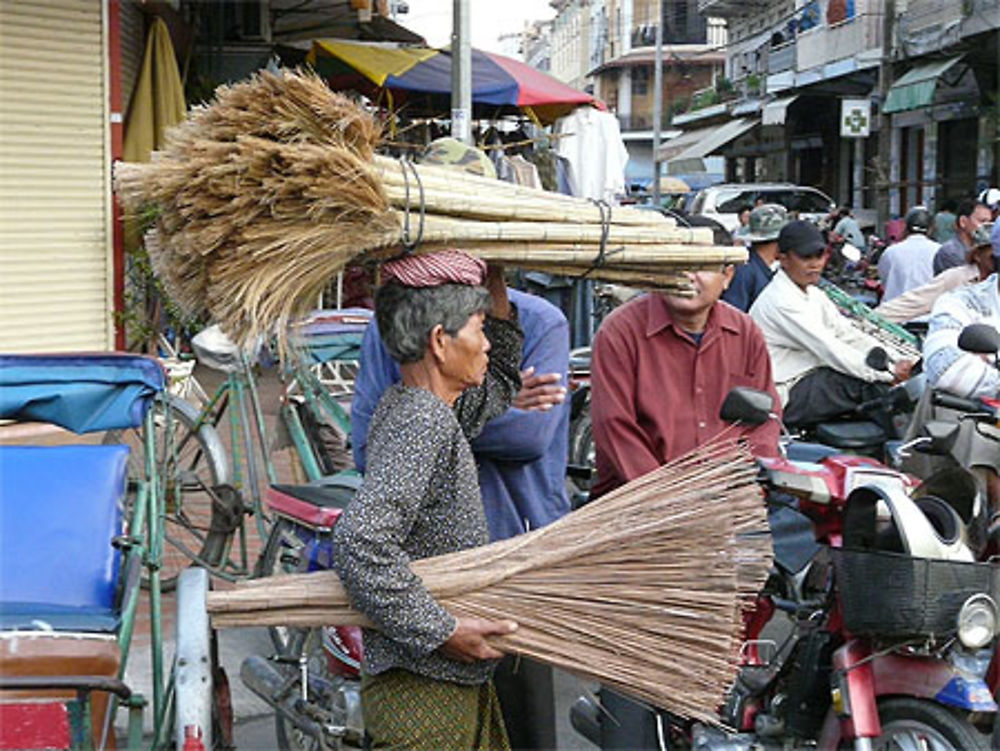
899	596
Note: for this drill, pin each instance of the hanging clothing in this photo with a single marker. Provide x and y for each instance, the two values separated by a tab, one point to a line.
525	173
592	143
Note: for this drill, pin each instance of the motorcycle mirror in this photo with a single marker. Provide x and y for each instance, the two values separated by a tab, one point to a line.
942	437
980	338
877	359
747	405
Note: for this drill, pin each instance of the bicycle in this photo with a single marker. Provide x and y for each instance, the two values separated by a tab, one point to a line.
210	491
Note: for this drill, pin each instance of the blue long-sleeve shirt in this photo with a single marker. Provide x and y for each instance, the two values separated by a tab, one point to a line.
521	455
749	279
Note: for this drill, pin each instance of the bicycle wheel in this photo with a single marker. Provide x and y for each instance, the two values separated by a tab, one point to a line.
189	463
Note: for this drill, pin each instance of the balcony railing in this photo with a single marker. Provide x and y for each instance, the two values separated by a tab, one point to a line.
827	44
781	58
642	121
721	8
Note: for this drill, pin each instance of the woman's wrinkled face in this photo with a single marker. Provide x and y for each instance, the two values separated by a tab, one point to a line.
465	354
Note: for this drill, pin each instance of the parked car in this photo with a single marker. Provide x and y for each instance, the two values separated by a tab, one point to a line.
723	202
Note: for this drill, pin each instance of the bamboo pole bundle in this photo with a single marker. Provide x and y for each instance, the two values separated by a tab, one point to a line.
643	589
259	199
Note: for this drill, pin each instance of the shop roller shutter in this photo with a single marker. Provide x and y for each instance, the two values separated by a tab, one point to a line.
55	260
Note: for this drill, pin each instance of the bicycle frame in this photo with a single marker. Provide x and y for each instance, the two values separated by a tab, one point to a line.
238	394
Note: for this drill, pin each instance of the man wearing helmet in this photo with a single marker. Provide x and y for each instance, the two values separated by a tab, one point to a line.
751	277
909	263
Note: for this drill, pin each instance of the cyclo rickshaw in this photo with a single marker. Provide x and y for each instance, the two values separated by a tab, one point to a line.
76	532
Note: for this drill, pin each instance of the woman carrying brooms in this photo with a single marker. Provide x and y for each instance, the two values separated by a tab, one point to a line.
427	674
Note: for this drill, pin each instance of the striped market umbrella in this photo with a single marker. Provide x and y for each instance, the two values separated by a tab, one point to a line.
421	77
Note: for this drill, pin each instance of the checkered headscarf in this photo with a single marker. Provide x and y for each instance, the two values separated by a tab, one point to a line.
432	269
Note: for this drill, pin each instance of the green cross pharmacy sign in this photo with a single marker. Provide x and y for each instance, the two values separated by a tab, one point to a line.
855	118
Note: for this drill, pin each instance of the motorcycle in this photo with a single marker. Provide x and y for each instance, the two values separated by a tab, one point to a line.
313	681
876	625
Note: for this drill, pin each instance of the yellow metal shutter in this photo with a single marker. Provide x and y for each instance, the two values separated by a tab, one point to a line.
55	260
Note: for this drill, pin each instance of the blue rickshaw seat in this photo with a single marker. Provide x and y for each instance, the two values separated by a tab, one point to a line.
61	508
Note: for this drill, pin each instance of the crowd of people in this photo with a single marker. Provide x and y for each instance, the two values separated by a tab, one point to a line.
460	427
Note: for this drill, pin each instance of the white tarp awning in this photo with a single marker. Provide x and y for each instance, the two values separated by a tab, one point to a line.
775	112
704	142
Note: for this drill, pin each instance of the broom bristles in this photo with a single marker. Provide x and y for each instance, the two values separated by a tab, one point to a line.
261	197
643	589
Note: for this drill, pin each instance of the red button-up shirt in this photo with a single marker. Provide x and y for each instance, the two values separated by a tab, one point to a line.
656	394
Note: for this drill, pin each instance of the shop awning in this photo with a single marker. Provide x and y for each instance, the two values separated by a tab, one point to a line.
775	112
916	87
702	143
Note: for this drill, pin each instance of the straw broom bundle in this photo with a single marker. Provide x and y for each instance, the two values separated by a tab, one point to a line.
642	589
259	198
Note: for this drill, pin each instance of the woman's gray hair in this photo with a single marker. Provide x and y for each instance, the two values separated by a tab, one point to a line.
407	315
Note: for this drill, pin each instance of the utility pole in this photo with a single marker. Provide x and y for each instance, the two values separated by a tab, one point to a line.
657	101
461	72
883	171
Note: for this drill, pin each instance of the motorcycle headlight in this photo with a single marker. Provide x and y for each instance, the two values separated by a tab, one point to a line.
977	621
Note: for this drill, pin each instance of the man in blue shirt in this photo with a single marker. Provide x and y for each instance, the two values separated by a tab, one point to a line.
751	277
521	457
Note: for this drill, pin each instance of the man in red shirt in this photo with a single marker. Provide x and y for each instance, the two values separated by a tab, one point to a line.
662	366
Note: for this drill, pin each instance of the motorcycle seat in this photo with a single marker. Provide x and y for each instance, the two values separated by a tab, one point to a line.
851	435
321	496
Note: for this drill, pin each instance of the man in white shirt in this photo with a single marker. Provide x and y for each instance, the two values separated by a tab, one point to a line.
909	263
818	356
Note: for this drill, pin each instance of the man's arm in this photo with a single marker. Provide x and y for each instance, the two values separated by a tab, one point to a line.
948	367
827	335
378	371
525	435
614	422
919	301
479	404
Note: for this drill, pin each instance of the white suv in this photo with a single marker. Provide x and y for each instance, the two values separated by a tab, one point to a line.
723	202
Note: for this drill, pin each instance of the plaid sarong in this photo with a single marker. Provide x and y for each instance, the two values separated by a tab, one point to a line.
403	710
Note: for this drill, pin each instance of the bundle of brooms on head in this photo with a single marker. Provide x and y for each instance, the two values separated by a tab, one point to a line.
643	589
260	197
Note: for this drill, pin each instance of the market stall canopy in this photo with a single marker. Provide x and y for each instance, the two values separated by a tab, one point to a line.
915	89
412	73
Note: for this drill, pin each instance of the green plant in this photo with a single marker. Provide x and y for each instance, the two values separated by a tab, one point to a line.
704	99
724	86
677	106
753	84
148	309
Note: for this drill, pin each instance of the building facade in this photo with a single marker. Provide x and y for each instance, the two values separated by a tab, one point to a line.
799	67
606	47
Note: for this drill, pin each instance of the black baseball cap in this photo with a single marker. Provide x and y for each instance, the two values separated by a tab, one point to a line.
918	219
801	238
